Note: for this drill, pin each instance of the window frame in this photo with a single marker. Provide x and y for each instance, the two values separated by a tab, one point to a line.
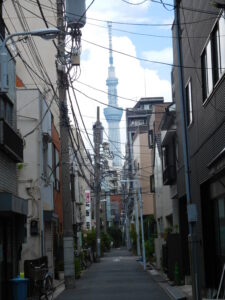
55	167
213	69
150	139
152	184
189	103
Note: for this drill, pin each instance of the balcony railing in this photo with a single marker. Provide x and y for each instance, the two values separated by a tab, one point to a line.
169	175
11	142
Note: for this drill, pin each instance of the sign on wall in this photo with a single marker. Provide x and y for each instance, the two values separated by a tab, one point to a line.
87	196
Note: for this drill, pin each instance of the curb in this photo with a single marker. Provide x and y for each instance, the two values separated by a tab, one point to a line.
172	291
59	288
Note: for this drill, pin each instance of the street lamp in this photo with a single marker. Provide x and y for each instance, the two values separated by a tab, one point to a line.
141	215
48	33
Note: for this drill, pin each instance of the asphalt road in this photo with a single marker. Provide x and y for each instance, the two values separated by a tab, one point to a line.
117	277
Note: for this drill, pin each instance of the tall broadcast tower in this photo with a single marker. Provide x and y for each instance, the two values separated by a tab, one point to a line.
113	113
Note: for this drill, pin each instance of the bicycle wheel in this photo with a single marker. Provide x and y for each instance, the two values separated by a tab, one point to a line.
48	288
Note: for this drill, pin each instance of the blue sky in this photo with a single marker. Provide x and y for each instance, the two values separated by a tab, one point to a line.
136	79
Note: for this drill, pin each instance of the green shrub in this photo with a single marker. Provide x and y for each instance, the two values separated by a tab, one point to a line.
115	235
90	240
149	249
105	242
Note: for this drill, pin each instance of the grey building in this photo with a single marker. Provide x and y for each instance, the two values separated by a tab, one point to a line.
13	210
203	52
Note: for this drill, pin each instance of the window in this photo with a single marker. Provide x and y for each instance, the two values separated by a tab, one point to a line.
150	138
87	213
188	106
55	166
152	184
45	157
207	71
164	158
213	58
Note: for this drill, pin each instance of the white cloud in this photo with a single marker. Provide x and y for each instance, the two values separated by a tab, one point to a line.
119	11
165	55
134	81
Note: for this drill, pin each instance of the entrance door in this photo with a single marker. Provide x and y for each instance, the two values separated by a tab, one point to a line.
6	261
219	231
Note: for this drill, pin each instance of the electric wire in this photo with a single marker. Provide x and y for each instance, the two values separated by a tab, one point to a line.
145	59
137	3
48	107
75	97
76	122
165	6
139	24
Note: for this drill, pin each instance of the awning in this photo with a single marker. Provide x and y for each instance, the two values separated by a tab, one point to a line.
12	203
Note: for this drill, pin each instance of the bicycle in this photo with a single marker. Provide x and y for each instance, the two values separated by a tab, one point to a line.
87	257
42	283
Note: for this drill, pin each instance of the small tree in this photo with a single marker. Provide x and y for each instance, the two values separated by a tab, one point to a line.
116	236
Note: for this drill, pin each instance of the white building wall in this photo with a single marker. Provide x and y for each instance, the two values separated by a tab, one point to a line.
31	108
163	206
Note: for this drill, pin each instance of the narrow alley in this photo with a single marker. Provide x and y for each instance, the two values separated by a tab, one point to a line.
117	276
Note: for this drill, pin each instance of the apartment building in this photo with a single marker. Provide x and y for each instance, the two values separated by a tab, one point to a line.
203	89
13	209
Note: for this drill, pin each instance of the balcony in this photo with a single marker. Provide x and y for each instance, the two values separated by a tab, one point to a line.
11	142
169	175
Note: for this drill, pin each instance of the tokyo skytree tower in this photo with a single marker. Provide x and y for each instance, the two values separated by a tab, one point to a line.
113	113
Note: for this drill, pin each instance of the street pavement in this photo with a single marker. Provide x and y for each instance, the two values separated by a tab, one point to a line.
117	277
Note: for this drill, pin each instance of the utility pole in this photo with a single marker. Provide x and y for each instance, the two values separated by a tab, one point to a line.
191	207
137	223
142	223
97	128
68	240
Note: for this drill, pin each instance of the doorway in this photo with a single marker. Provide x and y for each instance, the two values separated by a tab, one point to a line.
6	257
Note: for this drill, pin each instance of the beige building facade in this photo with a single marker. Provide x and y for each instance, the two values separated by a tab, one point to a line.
143	165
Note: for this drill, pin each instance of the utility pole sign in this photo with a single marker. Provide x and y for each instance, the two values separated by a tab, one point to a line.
98	129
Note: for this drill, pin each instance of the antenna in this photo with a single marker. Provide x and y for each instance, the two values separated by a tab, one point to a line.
110	43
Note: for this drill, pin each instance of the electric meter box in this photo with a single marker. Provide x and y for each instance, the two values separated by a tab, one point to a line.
76	13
